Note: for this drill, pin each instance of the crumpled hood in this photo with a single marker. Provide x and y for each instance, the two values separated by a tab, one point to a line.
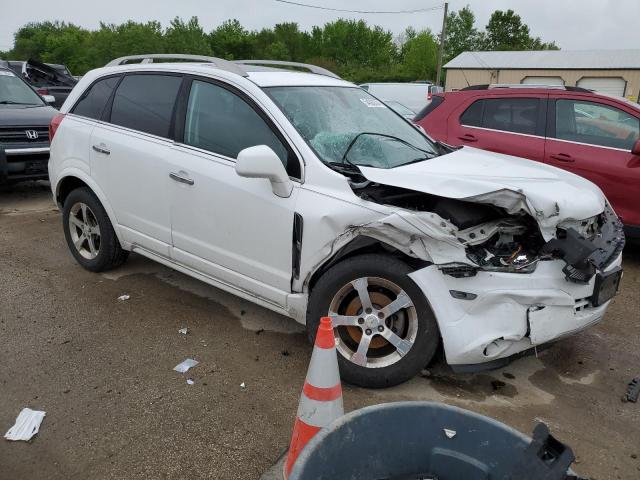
549	194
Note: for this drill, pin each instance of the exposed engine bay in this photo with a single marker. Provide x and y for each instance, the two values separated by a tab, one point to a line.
495	240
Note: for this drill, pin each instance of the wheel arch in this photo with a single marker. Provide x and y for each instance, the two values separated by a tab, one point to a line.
73	179
361	245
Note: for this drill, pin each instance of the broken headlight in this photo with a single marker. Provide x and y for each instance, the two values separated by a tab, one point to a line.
513	246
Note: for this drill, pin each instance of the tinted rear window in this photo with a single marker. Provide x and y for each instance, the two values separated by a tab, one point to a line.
436	101
472	116
145	103
92	103
518	115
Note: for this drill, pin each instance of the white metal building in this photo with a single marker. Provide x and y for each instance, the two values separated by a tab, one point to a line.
616	72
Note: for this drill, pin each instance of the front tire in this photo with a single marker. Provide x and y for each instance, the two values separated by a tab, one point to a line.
384	327
89	233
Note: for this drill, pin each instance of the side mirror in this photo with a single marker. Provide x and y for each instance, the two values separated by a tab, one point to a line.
262	162
636	148
49	99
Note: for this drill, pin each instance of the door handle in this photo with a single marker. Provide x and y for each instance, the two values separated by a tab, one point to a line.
181	177
468	138
101	149
563	157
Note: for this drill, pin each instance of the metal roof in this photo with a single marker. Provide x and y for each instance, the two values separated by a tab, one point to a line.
549	60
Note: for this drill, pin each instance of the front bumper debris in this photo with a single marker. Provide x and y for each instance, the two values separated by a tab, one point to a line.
504	314
586	256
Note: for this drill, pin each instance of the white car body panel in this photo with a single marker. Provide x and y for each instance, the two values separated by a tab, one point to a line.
245	246
549	194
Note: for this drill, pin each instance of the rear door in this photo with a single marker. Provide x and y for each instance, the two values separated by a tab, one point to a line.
593	138
513	125
130	157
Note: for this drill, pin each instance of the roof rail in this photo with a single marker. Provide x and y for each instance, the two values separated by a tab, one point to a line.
279	63
525	85
149	58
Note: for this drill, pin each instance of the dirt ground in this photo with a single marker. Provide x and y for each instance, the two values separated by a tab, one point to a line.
102	370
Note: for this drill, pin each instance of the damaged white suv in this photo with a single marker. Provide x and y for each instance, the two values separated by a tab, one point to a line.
305	194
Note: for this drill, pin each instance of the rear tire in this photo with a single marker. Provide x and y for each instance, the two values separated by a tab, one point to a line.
89	233
397	346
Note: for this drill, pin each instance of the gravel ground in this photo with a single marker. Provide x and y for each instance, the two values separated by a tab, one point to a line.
102	370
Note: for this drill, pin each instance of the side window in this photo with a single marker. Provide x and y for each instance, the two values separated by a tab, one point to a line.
92	103
472	116
145	103
518	115
220	121
596	124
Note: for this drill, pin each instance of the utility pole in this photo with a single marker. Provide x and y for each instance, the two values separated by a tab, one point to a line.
443	36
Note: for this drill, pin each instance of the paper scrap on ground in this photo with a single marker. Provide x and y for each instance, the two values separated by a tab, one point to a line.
186	365
449	433
183	331
190	381
122	298
242	385
26	426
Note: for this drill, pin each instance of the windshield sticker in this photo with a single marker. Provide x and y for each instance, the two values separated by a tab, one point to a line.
372	103
4	73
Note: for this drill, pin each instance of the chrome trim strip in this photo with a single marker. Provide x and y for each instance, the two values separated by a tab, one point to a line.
546	138
503	131
590	145
26	151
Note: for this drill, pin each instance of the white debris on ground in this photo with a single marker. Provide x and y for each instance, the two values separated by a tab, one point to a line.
242	385
186	365
190	381
123	298
449	433
26	426
183	331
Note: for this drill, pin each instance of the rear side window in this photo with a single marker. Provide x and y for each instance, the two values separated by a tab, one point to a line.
472	116
145	103
518	115
221	122
596	124
92	103
436	101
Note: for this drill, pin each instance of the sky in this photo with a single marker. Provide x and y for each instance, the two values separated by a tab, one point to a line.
572	24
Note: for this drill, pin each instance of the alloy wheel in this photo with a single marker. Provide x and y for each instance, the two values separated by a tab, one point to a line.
84	230
375	322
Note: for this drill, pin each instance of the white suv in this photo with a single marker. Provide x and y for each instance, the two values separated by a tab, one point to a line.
306	195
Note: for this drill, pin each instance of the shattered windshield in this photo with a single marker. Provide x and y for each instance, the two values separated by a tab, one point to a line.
347	126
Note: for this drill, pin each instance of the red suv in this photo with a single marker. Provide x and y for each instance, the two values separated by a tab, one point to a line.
592	135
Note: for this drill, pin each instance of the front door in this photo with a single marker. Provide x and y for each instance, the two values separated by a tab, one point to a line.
594	140
232	228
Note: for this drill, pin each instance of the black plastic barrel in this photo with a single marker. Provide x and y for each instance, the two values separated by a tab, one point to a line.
422	440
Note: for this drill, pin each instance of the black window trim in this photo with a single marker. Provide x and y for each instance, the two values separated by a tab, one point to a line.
86	91
551	120
181	112
106	114
542	123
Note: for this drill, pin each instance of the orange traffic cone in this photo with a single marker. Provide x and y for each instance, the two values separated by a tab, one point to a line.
321	399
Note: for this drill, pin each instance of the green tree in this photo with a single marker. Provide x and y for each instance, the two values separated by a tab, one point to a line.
462	35
419	55
506	31
232	41
130	38
186	37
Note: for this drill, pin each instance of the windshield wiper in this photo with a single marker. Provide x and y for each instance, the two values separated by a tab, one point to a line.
428	154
